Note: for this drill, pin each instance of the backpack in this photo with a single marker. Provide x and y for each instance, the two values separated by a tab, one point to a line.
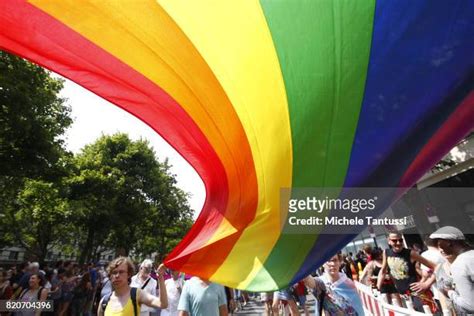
146	283
133	296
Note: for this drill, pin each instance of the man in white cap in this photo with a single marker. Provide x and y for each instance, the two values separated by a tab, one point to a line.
452	244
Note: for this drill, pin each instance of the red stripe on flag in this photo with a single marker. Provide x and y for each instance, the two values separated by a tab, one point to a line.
458	124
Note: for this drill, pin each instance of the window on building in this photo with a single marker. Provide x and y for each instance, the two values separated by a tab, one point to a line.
13	255
382	242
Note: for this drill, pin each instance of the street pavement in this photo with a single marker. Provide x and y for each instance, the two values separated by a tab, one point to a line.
256	307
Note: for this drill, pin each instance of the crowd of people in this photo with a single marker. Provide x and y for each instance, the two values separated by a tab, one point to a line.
71	287
441	277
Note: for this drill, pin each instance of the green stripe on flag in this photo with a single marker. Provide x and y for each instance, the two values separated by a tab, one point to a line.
323	48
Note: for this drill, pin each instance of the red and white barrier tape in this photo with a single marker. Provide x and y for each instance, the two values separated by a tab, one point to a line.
376	306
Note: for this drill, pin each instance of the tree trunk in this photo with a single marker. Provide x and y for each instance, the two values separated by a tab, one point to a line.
162	250
86	250
42	241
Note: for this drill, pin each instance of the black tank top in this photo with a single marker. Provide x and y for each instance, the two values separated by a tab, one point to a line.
376	271
402	270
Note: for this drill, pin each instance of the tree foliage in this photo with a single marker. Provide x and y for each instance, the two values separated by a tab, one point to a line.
32	119
41	219
124	197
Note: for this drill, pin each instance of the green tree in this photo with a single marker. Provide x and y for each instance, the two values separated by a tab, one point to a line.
93	196
42	217
167	222
33	119
117	191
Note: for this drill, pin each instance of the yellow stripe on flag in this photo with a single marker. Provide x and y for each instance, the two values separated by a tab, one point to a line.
234	39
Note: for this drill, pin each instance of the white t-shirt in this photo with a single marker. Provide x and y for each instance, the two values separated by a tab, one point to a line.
462	271
434	256
150	288
48	286
173	296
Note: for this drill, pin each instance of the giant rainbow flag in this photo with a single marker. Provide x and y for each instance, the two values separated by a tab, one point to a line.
263	95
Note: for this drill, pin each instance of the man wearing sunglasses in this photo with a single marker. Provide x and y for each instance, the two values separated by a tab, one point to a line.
401	262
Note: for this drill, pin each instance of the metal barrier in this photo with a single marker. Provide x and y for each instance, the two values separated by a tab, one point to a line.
378	306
